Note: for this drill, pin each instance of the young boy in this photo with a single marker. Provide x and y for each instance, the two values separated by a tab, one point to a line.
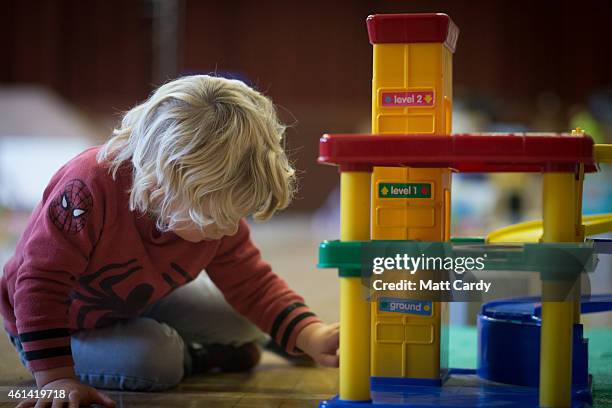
93	297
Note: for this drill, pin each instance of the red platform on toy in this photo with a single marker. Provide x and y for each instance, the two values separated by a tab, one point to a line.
467	153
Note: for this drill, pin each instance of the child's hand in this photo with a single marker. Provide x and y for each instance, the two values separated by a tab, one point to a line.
320	341
77	394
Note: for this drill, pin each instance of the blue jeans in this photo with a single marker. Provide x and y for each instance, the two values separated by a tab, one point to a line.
149	353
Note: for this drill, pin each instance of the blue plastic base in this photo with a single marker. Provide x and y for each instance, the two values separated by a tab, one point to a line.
390	384
463	389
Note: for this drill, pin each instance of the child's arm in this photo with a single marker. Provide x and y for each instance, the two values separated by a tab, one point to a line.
53	253
55	250
251	287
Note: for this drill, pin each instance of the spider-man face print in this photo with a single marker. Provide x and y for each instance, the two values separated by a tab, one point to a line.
70	209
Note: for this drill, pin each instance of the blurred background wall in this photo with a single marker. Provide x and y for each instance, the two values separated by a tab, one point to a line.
68	68
530	62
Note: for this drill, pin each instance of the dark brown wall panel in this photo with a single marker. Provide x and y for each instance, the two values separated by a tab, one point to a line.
312	58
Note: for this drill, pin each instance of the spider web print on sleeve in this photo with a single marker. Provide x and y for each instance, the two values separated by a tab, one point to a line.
70	209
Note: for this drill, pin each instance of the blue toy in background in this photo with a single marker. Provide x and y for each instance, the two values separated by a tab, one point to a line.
509	343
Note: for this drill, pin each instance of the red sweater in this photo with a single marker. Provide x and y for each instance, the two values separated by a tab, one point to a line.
85	261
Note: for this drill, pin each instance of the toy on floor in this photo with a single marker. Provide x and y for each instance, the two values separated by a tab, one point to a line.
396	185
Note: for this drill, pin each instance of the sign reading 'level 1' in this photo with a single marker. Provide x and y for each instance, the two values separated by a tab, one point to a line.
404	190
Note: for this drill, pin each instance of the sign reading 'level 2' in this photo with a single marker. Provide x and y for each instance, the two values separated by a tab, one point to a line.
407	98
404	190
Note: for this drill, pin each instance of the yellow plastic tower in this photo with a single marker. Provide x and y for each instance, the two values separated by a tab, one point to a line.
411	94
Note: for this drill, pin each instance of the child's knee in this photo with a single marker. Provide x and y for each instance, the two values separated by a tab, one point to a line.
158	354
142	355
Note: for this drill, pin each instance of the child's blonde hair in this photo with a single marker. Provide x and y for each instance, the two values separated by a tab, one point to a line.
203	149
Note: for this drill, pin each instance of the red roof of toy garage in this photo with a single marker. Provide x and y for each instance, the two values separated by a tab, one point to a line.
473	153
413	28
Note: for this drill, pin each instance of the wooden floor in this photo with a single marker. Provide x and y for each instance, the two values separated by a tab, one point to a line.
274	384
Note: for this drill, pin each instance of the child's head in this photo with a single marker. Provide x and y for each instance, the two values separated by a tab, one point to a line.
205	152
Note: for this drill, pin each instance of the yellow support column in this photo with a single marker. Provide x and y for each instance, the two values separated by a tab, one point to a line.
559	221
579	236
578	226
354	308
